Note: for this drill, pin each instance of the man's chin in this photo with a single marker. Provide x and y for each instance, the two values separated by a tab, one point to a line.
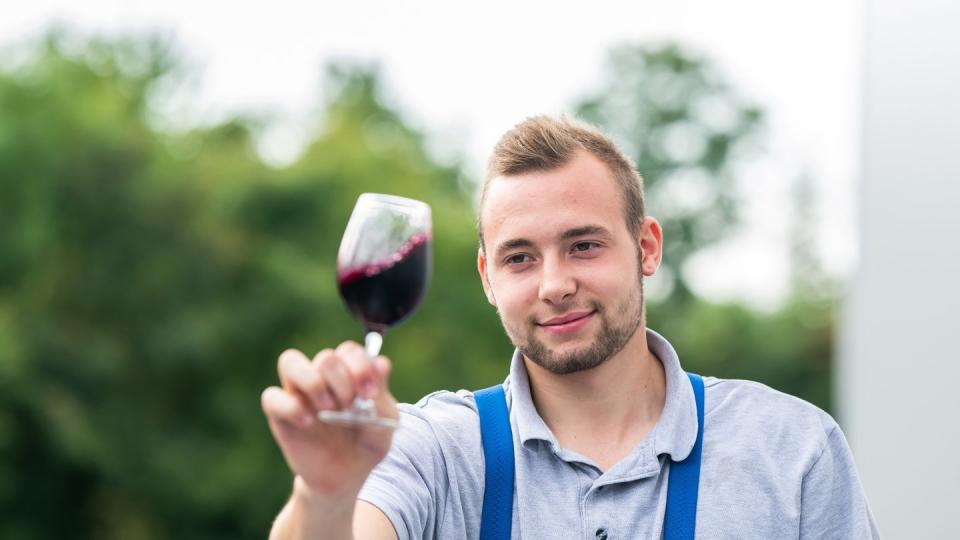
561	361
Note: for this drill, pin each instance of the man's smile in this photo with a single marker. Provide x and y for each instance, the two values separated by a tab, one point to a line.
566	324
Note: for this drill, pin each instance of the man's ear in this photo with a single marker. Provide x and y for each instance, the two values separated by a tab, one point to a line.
482	268
650	240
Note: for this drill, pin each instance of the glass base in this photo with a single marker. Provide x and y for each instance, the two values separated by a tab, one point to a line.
362	412
358	416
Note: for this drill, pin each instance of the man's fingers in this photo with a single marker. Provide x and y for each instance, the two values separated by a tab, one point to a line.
361	369
383	366
349	348
335	375
299	377
282	406
332	379
386	404
370	376
288	357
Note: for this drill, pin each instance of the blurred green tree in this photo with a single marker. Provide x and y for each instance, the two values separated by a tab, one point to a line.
686	129
150	279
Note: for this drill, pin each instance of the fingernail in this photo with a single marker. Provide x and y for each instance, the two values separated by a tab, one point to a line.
369	389
307	420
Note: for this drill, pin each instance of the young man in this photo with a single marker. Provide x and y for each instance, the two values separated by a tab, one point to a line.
599	405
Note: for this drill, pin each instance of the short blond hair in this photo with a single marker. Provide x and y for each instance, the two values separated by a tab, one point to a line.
542	143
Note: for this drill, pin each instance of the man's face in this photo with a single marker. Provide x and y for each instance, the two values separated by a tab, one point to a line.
561	267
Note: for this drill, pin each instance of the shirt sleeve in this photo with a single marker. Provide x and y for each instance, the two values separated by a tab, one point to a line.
833	504
405	485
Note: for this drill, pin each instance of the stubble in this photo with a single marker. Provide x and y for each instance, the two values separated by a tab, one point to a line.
618	323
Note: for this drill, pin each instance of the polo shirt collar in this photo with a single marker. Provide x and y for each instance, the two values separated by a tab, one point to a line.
674	434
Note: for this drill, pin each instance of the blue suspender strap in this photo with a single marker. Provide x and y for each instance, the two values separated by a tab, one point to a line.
496	518
681	518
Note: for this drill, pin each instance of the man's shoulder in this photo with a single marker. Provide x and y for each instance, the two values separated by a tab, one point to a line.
432	478
447	415
443	402
747	409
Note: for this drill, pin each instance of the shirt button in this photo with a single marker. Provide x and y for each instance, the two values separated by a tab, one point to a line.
601	534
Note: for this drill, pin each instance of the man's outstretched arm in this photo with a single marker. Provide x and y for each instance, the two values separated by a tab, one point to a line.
331	462
306	517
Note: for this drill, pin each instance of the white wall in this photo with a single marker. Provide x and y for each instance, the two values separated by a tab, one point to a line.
899	368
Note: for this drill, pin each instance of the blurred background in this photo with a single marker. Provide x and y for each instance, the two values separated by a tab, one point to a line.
175	179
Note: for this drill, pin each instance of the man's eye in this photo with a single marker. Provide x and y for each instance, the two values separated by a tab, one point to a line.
516	259
584	246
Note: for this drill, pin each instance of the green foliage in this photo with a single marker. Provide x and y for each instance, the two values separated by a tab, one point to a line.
148	281
685	129
790	350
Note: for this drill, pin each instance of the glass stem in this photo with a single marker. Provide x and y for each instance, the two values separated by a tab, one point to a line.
372	343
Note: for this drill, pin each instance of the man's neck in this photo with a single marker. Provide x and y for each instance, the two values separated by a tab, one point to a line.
604	412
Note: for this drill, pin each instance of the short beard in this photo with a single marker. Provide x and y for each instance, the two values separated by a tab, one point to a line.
612	338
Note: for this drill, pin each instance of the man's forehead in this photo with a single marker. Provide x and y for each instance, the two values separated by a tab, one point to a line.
511	193
559	214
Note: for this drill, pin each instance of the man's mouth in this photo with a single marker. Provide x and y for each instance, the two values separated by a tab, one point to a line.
565	324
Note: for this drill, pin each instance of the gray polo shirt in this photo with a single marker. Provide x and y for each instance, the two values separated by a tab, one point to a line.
773	466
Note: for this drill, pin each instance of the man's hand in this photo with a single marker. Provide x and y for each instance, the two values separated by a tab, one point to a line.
331	461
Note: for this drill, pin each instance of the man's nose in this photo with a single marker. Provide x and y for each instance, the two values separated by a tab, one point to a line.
557	282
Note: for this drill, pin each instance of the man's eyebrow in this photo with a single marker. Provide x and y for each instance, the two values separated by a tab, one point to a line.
513	243
586	230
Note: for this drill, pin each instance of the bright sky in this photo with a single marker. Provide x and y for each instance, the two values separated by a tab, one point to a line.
466	73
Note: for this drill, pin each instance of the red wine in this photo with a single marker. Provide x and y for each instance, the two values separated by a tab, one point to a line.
385	293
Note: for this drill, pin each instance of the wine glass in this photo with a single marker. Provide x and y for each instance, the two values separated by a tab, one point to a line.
383	267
